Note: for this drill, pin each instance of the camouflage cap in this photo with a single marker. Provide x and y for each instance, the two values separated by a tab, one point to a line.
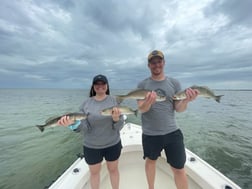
155	53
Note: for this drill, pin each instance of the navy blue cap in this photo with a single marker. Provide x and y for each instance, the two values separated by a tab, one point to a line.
100	78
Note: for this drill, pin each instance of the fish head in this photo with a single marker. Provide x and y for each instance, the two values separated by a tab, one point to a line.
176	97
106	112
78	116
160	98
81	117
179	96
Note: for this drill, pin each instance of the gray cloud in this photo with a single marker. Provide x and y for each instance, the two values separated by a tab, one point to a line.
63	44
238	12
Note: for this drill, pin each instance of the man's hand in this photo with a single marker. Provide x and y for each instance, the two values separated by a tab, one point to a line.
150	99
191	94
181	105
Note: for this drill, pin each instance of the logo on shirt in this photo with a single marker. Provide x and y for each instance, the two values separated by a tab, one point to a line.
160	92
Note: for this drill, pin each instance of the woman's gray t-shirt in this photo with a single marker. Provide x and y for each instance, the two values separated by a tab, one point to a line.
99	131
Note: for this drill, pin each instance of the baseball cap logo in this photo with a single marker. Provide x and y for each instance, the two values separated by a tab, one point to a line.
154	52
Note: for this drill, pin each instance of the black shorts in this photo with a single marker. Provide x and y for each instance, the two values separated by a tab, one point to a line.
93	156
172	144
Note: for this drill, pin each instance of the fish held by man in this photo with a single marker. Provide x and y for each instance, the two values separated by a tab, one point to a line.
52	122
125	110
138	94
203	91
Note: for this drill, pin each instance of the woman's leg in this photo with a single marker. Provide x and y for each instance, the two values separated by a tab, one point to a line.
113	173
95	175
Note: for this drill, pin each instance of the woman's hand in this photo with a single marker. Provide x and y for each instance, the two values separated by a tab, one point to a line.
65	121
116	114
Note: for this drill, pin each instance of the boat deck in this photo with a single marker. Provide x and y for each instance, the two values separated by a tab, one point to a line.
132	174
132	171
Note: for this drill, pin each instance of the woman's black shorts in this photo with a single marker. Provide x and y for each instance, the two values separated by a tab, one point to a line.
94	156
172	144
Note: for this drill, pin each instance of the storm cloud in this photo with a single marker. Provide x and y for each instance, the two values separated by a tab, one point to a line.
63	44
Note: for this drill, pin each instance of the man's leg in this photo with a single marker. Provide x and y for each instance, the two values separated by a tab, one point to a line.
150	170
176	157
152	147
180	178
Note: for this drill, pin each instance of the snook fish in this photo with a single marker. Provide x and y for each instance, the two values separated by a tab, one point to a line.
123	109
52	122
138	94
203	91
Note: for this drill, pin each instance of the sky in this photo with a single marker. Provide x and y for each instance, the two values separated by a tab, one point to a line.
65	43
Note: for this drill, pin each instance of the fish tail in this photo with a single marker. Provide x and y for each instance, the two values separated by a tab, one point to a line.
218	98
119	99
136	112
41	127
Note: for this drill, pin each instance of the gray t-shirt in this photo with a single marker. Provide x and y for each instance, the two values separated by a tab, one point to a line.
160	119
99	131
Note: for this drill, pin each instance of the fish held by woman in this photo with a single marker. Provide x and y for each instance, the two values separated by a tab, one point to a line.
203	91
125	110
52	122
138	94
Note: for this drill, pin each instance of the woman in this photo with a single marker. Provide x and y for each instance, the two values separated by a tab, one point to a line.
101	133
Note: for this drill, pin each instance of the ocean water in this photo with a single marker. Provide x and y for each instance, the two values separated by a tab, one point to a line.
220	133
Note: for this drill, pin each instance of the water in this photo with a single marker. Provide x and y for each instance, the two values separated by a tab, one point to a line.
221	134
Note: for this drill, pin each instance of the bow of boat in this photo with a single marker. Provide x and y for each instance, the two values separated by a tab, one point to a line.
200	174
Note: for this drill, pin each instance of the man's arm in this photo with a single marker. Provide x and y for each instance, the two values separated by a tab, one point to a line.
181	105
145	105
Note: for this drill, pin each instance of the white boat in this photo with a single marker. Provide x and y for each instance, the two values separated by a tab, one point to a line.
200	174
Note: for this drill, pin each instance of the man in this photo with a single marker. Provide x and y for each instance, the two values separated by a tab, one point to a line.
158	121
